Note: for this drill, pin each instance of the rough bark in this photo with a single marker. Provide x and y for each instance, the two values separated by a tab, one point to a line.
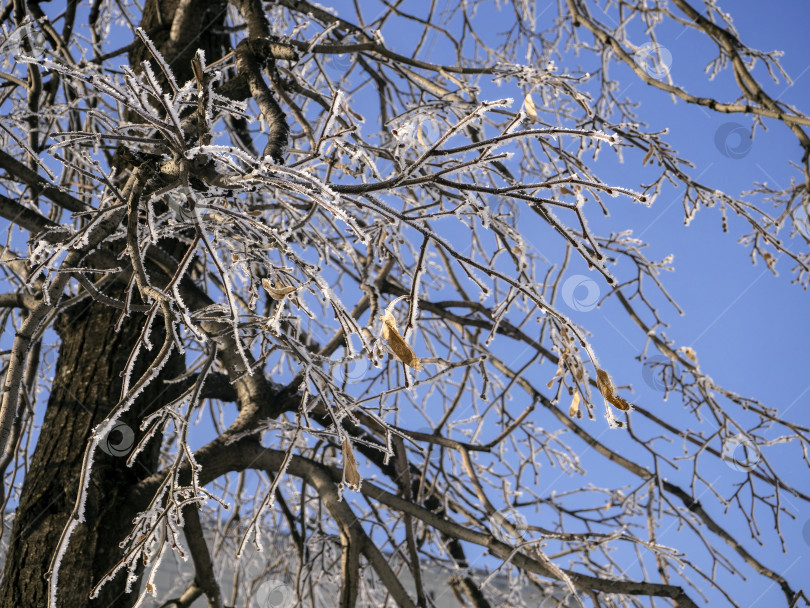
86	387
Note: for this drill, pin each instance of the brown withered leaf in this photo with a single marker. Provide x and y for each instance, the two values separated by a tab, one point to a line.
690	354
397	343
351	477
196	67
279	291
608	391
573	411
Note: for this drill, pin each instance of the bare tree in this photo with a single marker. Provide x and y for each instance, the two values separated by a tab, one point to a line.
271	275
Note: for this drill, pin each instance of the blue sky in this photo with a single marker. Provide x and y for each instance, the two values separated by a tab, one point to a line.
748	328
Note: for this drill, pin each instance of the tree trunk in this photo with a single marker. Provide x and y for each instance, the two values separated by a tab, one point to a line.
86	387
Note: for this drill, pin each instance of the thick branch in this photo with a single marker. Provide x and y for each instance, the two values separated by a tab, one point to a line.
248	67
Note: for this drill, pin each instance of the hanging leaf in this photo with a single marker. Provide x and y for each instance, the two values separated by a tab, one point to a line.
279	291
573	411
559	374
397	343
351	477
605	384
528	105
196	67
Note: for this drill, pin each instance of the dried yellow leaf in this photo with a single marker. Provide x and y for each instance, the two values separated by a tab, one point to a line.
573	411
605	384
351	477
690	354
559	374
397	343
279	291
531	109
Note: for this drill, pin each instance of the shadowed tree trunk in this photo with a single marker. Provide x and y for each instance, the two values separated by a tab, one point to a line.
86	387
